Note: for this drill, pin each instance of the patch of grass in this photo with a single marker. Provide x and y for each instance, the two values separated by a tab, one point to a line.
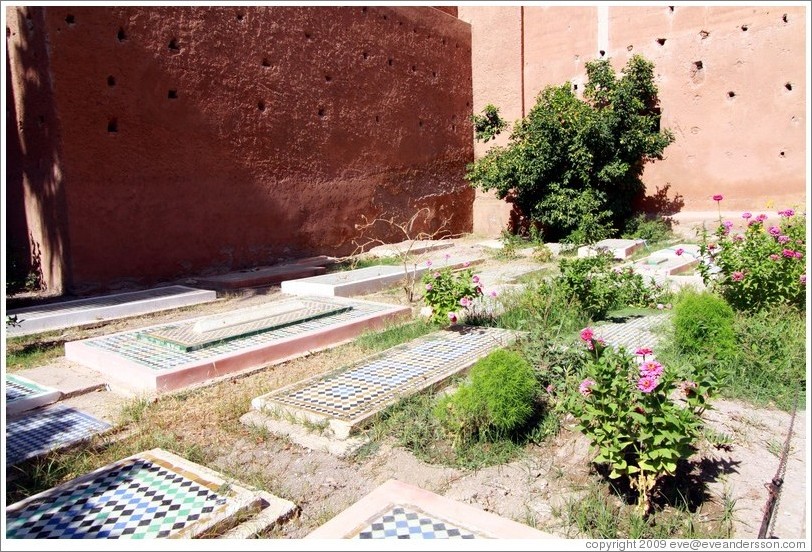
134	410
536	275
26	352
395	335
365	262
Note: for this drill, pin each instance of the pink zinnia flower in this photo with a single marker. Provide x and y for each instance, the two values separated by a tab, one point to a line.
761	218
803	279
679	251
452	317
493	293
428	263
687	387
798	255
436	275
738	237
585	388
475	279
464	302
643	351
774	231
647	384
746	215
718	197
660	306
428	287
651	368
786	213
727	224
783	239
587	334
550	389
737	276
774	257
788	253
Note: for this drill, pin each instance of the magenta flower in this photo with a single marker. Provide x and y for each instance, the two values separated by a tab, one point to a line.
466	264
475	279
774	257
428	263
774	231
711	246
687	387
799	255
585	388
761	218
803	279
679	251
647	384
429	287
436	275
643	351
452	317
464	302
737	276
727	224
738	237
550	389
788	253
746	215
783	239
718	197
651	368
786	213
493	293
587	334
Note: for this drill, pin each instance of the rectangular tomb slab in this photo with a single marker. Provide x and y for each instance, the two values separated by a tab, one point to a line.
130	360
23	394
665	265
153	494
620	249
108	307
47	429
360	281
261	276
410	247
397	510
349	397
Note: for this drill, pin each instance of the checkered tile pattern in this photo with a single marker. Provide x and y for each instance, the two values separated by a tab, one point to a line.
184	337
404	523
137	498
18	389
160	358
635	333
401	371
48	429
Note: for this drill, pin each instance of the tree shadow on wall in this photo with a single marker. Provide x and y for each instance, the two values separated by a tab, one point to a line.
660	204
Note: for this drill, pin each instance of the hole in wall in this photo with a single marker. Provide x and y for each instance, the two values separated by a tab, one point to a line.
661	41
112	125
400	23
172	94
240	16
308	36
8	32
173	45
745	27
704	34
363	10
377	119
414	68
630	47
389	61
322	112
266	62
781	154
443	42
261	105
121	35
70	19
385	17
602	52
671	8
420	122
434	73
575	87
784	18
327	78
731	94
453	127
365	54
111	80
788	86
698	65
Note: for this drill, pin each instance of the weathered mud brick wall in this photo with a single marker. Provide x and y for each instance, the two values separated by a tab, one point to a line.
155	143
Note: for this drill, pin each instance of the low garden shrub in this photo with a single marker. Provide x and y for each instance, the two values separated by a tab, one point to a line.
450	294
498	399
641	417
703	326
652	230
765	265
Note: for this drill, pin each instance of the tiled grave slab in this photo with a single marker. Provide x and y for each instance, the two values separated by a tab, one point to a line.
47	429
412	247
212	330
665	265
128	360
686	250
360	281
620	249
262	276
107	307
397	510
153	494
23	394
349	397
633	333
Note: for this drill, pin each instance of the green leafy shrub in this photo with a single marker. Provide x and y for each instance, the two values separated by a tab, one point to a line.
574	165
498	400
652	230
764	266
703	326
630	413
450	294
489	124
599	287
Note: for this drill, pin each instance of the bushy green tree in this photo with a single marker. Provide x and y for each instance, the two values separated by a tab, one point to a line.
574	165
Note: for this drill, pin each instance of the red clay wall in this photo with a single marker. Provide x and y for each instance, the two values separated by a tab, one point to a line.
205	139
749	146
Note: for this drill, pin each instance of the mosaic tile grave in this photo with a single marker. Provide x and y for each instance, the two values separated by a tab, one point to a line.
154	494
349	396
42	431
397	510
23	394
211	330
108	307
632	334
134	361
620	248
260	276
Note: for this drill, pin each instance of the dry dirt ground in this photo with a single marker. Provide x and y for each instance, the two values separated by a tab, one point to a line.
532	489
